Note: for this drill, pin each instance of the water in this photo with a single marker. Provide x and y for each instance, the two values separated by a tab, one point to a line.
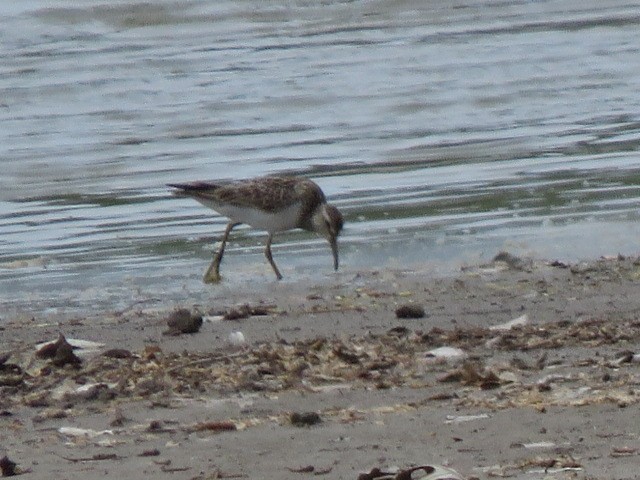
445	131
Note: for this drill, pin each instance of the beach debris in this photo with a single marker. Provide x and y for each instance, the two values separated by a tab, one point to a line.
516	322
94	458
410	310
12	374
59	352
465	418
624	452
470	374
534	445
241	312
311	469
423	472
156	426
90	391
166	468
399	331
262	310
83	432
346	354
304	419
119	419
183	321
545	383
83	348
549	465
68	391
375	474
8	467
213	426
236	338
49	414
588	358
626	356
446	354
399	357
237	313
583	268
512	262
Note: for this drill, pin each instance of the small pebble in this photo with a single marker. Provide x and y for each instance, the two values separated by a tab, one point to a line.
305	419
8	467
182	321
410	310
150	453
237	338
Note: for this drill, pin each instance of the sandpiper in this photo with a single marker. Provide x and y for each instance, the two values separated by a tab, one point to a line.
272	203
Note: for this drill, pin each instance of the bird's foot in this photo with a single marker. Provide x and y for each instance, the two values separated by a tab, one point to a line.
209	279
212	276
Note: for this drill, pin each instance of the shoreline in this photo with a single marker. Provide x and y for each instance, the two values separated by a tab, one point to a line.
555	390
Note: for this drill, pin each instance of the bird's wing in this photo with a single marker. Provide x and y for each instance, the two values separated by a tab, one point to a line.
270	194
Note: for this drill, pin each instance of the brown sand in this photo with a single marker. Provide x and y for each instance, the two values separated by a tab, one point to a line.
559	394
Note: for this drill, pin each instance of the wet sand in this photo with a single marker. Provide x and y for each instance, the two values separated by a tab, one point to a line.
331	382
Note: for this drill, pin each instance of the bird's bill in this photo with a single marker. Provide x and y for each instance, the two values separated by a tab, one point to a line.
334	249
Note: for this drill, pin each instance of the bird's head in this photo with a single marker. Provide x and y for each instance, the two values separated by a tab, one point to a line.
328	222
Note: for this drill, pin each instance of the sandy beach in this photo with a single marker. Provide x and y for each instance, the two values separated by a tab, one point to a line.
521	368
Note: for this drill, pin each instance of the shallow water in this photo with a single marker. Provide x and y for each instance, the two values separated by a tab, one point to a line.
445	131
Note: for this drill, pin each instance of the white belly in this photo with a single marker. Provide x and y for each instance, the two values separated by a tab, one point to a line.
271	222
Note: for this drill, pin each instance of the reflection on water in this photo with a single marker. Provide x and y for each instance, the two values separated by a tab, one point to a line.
443	130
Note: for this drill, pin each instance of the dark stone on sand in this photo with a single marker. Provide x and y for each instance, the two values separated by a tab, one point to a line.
410	310
4	357
154	452
155	426
305	419
7	467
182	321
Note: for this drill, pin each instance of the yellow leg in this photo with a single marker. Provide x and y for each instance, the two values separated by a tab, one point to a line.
212	274
267	253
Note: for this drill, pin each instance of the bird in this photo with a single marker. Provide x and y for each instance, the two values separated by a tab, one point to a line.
270	203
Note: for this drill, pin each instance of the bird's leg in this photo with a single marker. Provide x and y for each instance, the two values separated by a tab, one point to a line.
213	272
267	253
